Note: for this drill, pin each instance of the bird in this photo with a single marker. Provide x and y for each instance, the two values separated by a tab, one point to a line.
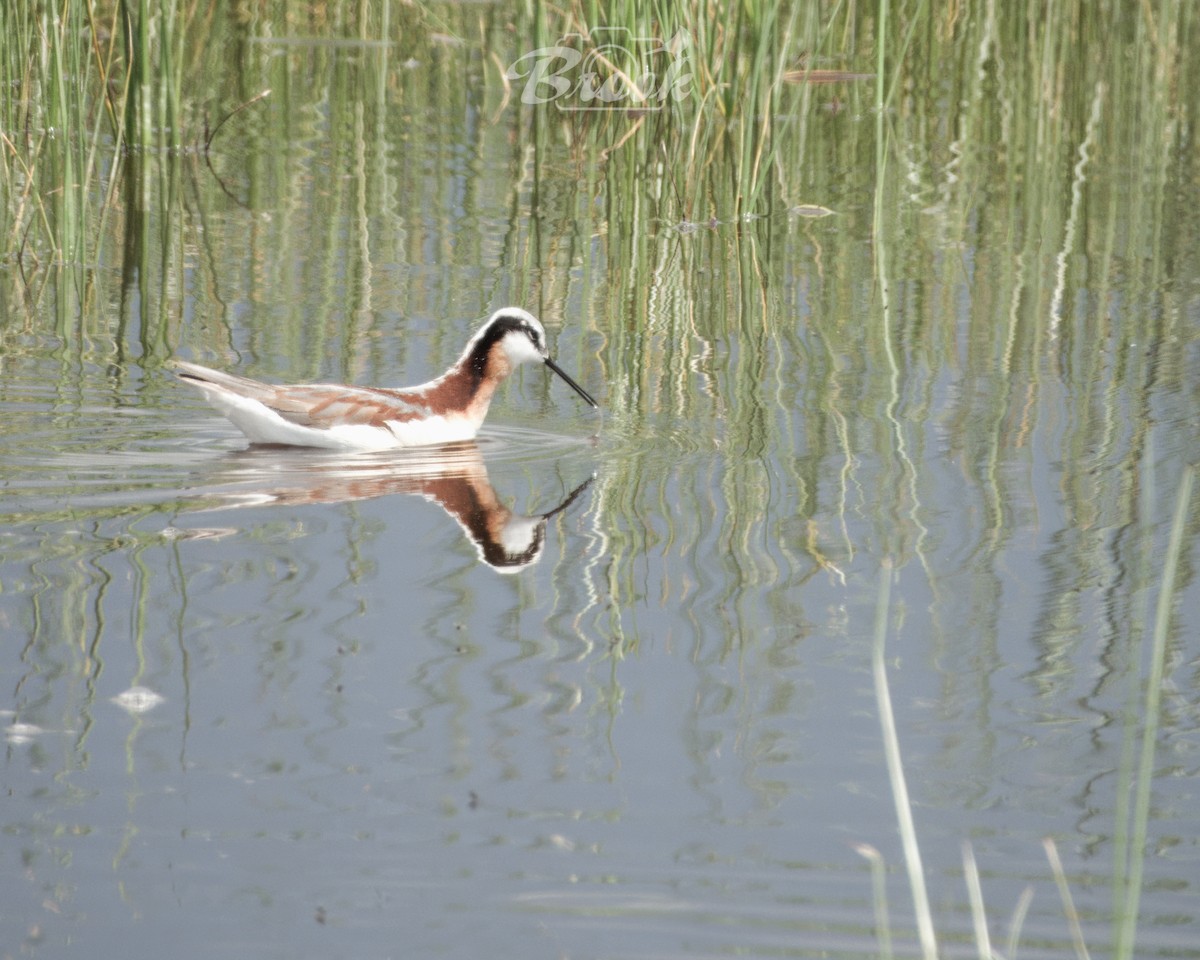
449	409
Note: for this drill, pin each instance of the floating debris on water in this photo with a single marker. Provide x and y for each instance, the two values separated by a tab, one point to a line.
138	700
811	210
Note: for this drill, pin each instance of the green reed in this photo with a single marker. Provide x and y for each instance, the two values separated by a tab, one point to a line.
997	104
1128	885
44	161
86	86
895	765
995	133
993	105
738	61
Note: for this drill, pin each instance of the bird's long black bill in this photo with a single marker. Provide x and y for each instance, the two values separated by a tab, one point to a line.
574	386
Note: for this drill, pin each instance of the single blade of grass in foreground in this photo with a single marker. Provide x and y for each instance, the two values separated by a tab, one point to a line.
975	891
891	747
1018	921
1064	891
883	927
1125	933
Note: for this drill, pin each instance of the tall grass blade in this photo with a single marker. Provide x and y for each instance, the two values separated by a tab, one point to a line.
891	746
1064	891
883	928
1127	923
1018	921
983	942
1131	714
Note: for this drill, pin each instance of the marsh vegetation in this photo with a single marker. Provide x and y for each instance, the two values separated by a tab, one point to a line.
892	310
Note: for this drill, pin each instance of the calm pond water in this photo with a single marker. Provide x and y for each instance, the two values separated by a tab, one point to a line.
600	684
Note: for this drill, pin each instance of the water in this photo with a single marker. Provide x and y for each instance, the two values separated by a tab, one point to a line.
406	713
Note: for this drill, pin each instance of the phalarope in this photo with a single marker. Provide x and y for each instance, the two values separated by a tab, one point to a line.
446	410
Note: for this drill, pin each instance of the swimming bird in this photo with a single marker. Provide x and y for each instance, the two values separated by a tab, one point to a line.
446	410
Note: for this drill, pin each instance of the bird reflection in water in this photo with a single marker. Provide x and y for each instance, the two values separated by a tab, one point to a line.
454	477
